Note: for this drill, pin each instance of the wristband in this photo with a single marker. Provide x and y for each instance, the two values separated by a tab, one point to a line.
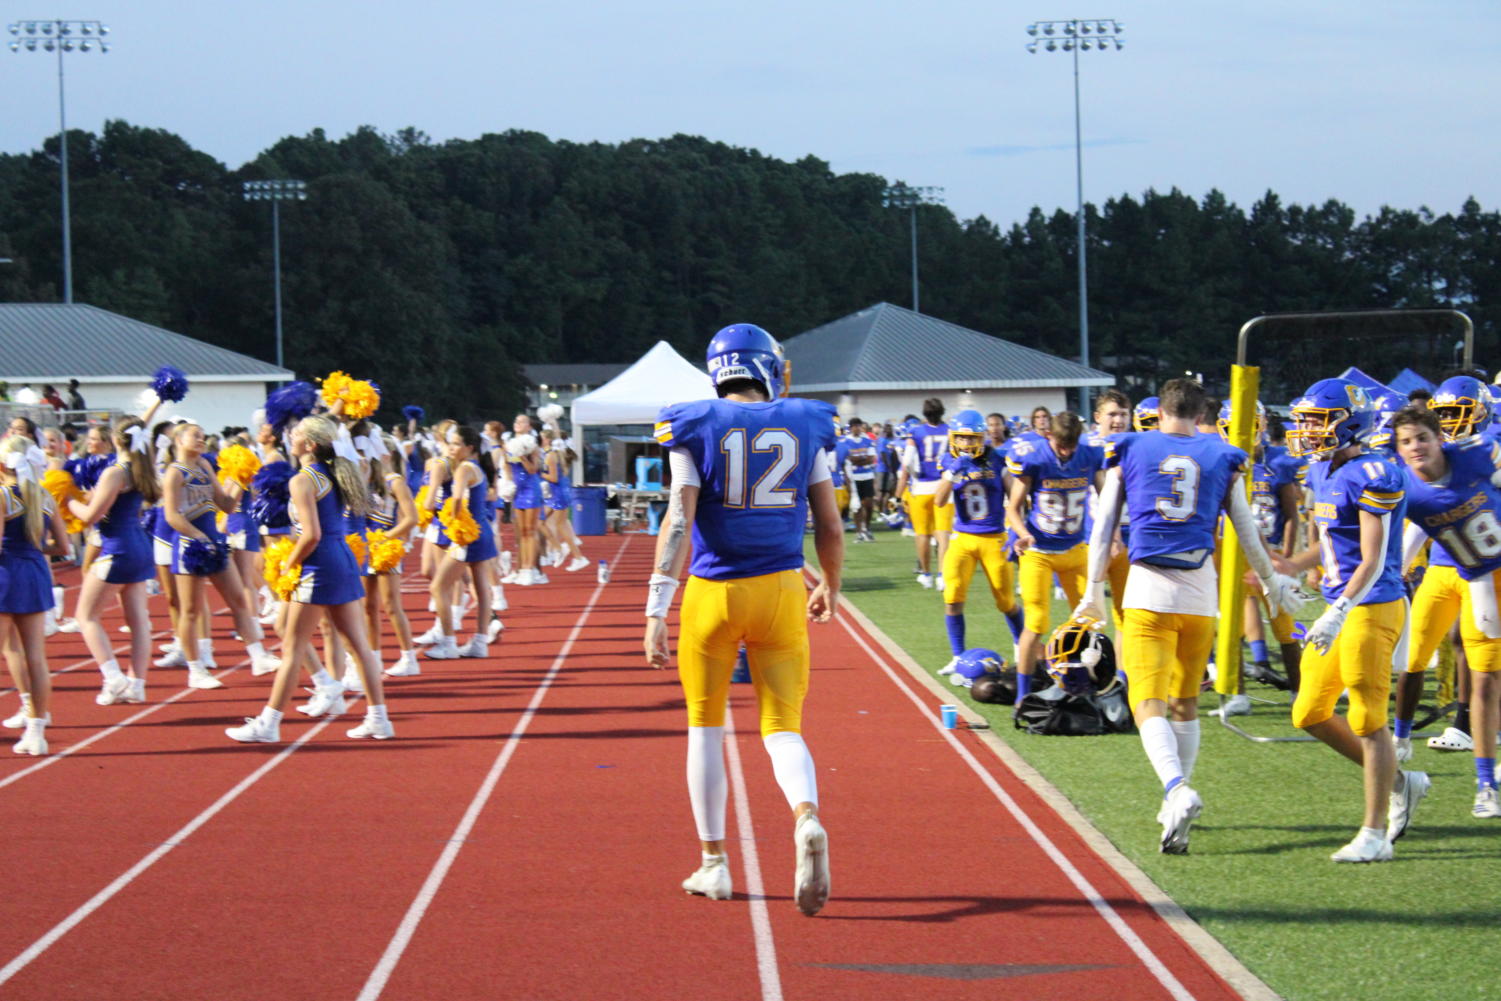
659	592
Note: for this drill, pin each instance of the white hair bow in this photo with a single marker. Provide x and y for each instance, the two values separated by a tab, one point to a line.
163	442
344	447
372	446
140	438
20	464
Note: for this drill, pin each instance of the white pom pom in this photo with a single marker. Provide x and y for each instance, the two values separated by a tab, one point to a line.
258	418
550	414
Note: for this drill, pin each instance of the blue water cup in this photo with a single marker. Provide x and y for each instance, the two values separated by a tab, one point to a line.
949	715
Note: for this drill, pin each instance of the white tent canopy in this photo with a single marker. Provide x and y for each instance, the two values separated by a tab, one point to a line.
659	377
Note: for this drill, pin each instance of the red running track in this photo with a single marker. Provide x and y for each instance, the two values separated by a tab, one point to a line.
525	834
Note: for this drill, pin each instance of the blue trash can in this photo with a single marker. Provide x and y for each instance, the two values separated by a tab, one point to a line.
589	510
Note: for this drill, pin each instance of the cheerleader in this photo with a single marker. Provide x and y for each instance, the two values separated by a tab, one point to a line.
523	463
190	495
559	459
243	533
437	482
26	585
124	562
469	486
326	579
396	516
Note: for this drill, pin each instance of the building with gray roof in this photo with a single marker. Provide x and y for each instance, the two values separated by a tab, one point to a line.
880	364
113	357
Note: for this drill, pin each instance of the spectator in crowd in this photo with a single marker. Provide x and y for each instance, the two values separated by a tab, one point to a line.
50	397
75	399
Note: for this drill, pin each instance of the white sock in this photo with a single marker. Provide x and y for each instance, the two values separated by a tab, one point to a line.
409	655
1373	832
110	669
458	616
1187	733
256	650
1161	745
497	592
378	713
205	649
271	717
57	598
321	678
793	766
36	724
195	667
707	788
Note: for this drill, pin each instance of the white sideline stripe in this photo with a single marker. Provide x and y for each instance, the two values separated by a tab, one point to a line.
766	950
413	917
53	759
1117	923
99	899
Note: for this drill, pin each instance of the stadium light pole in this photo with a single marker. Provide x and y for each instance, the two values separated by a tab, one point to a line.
904	196
1075	36
61	37
275	192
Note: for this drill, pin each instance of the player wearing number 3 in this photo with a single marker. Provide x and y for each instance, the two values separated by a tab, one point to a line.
746	469
1052	478
1174	483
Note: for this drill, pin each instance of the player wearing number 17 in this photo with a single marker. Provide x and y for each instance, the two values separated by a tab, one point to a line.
746	470
1174	482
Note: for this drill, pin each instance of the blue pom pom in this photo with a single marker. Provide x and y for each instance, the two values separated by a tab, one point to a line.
170	384
87	469
292	402
412	412
269	505
204	559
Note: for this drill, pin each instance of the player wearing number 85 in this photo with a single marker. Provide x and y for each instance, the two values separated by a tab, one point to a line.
1051	478
1174	482
974	475
746	470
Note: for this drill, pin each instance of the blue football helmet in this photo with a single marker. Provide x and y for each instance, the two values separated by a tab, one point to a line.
1146	415
1258	429
1387	404
1463	406
975	663
1080	657
967	434
1332	414
745	351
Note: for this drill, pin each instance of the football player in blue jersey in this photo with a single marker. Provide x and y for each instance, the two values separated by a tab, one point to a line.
1386	403
1358	506
746	469
1463	406
1174	482
1051	480
1454	498
857	460
917	481
836	471
974	476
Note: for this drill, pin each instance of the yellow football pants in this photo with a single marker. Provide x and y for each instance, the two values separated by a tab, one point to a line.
965	551
1360	661
927	517
1164	654
1036	571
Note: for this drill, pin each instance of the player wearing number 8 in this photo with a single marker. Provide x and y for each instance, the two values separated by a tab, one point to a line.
1051	478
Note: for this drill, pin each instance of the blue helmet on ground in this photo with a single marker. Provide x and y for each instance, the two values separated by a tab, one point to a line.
1146	414
967	434
1463	406
745	351
1332	414
975	663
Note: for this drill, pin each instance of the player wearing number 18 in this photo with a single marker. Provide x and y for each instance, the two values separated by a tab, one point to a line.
746	469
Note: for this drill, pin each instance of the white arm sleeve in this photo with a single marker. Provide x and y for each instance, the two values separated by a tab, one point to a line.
1413	538
819	473
909	459
1107	520
684	472
1245	527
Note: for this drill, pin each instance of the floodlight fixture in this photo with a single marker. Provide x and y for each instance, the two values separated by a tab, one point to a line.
275	191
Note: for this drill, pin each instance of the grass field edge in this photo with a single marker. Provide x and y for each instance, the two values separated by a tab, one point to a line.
1247	984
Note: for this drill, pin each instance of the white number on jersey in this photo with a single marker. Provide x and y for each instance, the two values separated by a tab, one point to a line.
1474	540
1059	512
933	446
1185	499
976	504
767	490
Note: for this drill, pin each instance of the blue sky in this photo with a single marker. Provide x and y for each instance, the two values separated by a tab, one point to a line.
1372	103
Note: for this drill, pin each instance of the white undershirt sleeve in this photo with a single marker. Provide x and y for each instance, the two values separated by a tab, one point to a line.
684	472
1248	531
1108	519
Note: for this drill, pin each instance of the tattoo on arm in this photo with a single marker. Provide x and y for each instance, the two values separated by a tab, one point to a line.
676	529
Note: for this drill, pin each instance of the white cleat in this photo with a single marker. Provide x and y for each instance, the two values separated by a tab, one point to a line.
1452	739
1180	809
514	577
1404	801
712	879
137	693
33	741
113	690
17	721
174	658
492	631
265	664
444	649
1235	705
433	635
203	680
476	647
1365	848
327	700
1486	803
406	666
1403	748
576	564
351	682
950	666
811	886
372	728
938	582
254	732
925	580
68	626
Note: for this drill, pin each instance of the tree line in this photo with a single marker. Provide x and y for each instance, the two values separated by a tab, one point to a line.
439	268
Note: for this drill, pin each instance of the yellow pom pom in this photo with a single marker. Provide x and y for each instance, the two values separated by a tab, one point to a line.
424	513
59	483
361	398
385	552
458	523
275	554
238	463
356	543
287	582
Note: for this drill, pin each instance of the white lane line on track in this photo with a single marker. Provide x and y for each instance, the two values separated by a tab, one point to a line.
89	660
766	950
1117	924
418	909
99	899
53	759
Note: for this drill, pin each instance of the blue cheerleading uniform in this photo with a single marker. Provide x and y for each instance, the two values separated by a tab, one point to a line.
124	548
483	548
528	488
25	583
561	498
435	533
241	529
382	518
330	574
198	508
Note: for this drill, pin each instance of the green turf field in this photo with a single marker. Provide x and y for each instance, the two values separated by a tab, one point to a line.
1259	877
